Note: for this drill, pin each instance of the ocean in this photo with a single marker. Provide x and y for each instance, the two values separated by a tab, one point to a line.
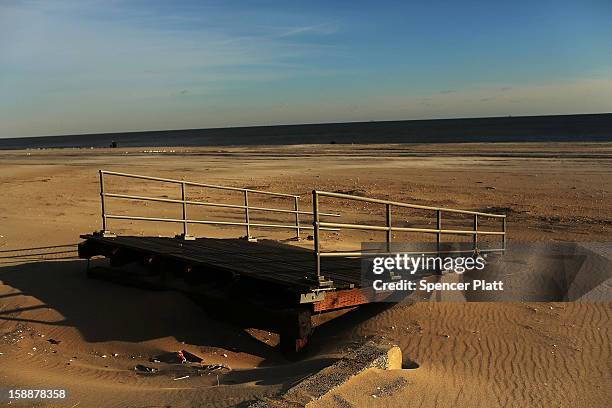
558	128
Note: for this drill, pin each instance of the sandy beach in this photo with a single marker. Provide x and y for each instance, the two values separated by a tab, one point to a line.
456	354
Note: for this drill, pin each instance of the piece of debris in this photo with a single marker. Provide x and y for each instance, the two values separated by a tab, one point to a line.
145	370
178	357
215	367
53	341
181	378
181	356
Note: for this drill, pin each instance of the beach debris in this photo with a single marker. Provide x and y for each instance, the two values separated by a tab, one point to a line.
53	341
145	370
224	355
181	378
207	369
215	367
178	357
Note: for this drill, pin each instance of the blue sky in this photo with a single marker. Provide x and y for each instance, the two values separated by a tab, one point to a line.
88	66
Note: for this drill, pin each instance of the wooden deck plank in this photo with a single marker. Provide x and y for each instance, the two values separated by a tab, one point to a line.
266	260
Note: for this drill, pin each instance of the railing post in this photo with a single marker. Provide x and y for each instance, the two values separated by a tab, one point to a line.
246	214
104	232
315	224
475	231
438	227
102	201
297	218
184	210
184	235
504	231
389	234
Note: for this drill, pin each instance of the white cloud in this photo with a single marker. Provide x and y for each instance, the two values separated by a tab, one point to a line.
561	97
98	66
321	29
62	57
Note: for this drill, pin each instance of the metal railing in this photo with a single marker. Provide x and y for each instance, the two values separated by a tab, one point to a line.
317	225
184	202
389	228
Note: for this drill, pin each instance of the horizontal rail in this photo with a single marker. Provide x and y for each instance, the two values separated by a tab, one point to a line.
398	204
365	253
297	226
191	183
389	228
408	229
237	206
177	220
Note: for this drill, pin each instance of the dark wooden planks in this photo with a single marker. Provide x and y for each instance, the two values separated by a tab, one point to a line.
265	260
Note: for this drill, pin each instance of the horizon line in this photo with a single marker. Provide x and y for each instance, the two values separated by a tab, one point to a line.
302	124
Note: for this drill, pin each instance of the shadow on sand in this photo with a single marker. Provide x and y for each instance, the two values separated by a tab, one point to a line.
104	311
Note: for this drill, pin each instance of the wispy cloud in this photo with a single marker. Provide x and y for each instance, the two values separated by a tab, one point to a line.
70	66
321	29
107	55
